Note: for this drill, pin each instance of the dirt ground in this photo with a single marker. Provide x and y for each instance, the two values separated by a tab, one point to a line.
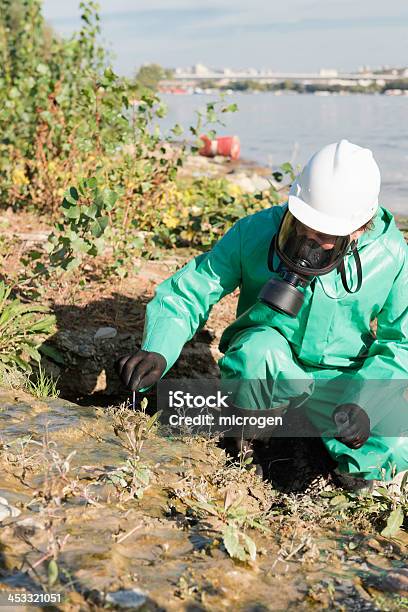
150	521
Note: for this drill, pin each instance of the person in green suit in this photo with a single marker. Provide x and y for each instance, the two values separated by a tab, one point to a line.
314	275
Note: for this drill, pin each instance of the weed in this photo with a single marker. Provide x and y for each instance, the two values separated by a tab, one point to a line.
385	508
21	457
13	378
26	459
43	385
22	327
131	428
238	544
231	515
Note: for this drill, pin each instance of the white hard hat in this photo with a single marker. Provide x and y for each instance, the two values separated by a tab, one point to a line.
337	191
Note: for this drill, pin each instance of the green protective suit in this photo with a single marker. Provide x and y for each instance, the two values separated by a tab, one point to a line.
330	340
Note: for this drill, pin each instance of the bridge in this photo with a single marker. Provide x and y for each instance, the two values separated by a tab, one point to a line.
331	77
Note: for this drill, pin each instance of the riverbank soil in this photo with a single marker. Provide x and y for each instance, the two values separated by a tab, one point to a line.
104	508
101	505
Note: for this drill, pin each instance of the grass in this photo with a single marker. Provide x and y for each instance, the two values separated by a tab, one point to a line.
43	385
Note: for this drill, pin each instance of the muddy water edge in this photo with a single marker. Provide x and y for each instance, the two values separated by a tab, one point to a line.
103	502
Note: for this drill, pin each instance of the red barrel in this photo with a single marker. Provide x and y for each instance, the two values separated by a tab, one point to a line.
227	146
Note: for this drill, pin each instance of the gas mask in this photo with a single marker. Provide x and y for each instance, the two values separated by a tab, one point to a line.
304	254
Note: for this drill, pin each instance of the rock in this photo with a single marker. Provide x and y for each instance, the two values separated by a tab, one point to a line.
78	343
249	184
7	511
30	523
104	333
242	181
196	166
4	512
127	598
260	183
34	237
374	544
88	363
101	382
396	580
14	511
391	581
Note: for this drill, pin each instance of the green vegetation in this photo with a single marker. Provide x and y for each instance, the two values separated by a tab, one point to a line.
22	329
150	75
48	129
131	430
42	385
81	147
77	147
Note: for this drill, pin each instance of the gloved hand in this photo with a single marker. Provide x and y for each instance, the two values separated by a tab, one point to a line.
140	369
353	425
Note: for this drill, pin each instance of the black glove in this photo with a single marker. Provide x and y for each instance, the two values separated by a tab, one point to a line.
353	425
140	369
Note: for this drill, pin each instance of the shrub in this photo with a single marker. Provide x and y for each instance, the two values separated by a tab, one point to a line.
69	125
63	112
22	328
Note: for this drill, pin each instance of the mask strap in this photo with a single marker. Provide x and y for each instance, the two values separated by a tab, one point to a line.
271	254
358	268
272	246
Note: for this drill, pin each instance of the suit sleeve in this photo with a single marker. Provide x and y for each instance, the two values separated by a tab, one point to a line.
382	381
183	302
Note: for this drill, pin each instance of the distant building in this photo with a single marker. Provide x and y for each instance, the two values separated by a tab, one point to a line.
329	73
201	70
365	77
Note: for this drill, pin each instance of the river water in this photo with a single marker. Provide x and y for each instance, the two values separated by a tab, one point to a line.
274	129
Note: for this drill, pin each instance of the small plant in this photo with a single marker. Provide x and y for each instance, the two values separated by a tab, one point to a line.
394	522
22	328
132	478
245	456
132	428
238	544
230	517
80	233
22	457
43	385
385	509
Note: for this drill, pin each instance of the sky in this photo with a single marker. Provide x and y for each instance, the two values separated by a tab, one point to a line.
289	35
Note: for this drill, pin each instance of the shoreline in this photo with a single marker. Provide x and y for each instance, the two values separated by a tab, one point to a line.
250	176
284	92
